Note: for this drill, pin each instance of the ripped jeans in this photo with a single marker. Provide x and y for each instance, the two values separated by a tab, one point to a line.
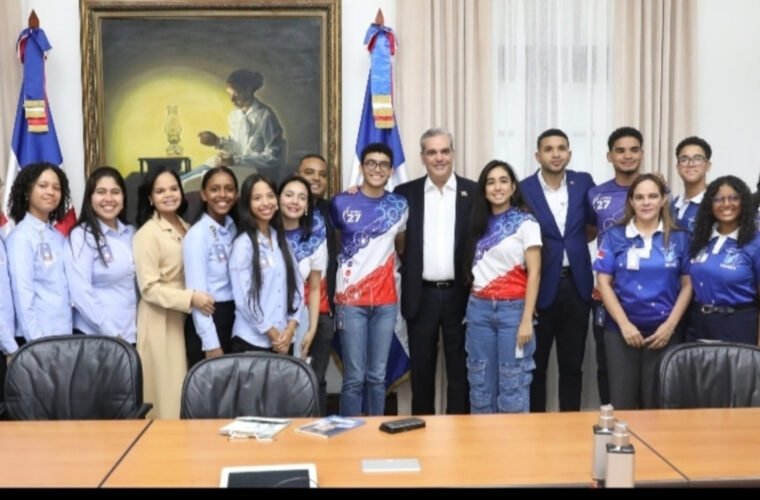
499	379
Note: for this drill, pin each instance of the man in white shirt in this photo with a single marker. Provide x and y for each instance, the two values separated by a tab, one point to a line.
433	294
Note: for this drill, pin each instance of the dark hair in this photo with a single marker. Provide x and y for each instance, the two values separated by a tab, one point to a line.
245	81
552	132
18	204
311	155
145	208
621	132
88	220
306	222
756	197
481	210
376	147
694	141
705	219
204	182
249	227
668	224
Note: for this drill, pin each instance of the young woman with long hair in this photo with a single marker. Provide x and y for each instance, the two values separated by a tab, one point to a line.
99	262
503	265
206	250
265	282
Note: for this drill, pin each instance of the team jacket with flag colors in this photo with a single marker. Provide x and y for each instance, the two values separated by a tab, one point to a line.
367	260
311	255
498	267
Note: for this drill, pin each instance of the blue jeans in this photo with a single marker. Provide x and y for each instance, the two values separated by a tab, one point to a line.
365	333
499	380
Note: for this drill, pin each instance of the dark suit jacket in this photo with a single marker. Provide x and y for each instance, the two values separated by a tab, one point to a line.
579	213
411	261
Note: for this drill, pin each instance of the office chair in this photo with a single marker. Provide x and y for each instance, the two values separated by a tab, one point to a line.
75	377
251	383
709	375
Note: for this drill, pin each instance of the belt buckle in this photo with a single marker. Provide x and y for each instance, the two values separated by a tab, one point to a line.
441	284
707	309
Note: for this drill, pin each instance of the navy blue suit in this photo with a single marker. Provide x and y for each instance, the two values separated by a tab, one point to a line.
564	294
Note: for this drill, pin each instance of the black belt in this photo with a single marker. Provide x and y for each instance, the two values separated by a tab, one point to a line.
438	284
565	272
713	309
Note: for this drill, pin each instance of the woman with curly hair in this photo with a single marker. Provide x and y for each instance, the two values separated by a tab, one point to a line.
725	264
39	198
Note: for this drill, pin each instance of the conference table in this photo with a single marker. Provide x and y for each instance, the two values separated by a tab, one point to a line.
673	448
711	447
551	449
64	453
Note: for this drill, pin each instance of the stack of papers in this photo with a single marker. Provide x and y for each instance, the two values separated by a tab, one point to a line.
330	426
261	428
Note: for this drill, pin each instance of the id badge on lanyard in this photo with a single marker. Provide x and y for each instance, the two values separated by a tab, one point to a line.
632	259
46	253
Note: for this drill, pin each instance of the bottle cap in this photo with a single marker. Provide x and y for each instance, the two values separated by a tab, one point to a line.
606	420
620	436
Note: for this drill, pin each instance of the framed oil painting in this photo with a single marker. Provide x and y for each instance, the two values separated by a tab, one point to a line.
161	77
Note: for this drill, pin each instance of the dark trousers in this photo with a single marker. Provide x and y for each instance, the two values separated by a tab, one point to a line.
565	320
224	317
632	382
438	311
740	326
602	378
320	350
238	345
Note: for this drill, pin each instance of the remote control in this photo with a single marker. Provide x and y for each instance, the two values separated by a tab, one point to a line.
401	425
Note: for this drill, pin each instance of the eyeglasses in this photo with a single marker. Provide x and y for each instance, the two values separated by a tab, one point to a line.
377	165
733	199
696	160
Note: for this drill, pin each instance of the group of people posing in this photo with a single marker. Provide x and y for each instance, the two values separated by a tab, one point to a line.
498	269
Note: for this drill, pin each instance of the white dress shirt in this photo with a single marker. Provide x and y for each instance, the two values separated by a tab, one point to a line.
557	201
438	230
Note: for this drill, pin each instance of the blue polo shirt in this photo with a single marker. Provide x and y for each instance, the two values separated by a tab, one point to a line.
646	273
724	274
608	202
685	211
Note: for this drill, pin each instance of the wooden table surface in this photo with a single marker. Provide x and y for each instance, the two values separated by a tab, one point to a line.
483	450
707	445
63	453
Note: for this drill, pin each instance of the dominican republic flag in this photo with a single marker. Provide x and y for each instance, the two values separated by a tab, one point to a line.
378	124
34	139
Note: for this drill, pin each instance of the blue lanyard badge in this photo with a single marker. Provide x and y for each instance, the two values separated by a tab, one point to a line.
46	252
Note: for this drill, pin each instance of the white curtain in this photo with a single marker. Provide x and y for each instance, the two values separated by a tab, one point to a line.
552	71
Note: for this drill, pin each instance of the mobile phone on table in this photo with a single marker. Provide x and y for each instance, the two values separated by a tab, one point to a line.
402	425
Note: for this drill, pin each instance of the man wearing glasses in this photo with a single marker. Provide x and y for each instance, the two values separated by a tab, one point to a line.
371	224
433	294
693	159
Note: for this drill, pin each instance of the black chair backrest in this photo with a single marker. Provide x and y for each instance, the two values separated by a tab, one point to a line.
75	377
251	383
710	375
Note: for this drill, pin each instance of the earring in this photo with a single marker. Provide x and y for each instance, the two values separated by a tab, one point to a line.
306	212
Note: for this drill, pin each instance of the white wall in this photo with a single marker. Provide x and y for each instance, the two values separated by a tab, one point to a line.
728	85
